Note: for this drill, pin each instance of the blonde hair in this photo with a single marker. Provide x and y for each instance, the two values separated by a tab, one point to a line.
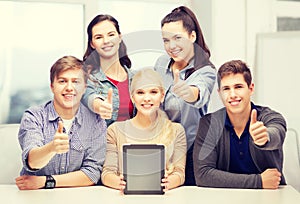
148	77
144	78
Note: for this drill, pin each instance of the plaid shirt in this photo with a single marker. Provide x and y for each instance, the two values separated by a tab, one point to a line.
87	141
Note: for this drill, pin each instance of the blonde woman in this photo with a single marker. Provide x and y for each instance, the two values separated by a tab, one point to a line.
150	125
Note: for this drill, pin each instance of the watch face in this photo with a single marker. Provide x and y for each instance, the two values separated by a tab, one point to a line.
50	184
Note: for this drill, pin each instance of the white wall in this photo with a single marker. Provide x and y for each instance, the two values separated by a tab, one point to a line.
224	28
229	26
277	74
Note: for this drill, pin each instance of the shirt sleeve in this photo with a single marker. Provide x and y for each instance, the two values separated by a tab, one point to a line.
112	154
207	168
276	128
30	135
179	155
94	159
89	95
204	79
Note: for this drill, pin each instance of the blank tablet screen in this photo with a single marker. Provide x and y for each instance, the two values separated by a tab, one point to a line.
143	166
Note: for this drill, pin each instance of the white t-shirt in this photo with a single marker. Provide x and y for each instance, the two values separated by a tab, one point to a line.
67	124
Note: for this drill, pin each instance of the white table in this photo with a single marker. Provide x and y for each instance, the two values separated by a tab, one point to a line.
10	194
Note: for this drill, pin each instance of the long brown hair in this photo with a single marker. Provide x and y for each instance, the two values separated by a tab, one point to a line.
91	57
190	23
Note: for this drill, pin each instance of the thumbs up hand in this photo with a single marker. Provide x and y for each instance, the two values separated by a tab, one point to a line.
258	130
183	90
105	108
60	143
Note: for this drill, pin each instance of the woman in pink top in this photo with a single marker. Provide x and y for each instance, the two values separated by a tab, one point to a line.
108	66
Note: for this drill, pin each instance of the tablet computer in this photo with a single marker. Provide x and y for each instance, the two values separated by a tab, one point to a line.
143	168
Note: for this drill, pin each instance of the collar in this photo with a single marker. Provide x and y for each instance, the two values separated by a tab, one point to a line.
53	115
184	70
228	124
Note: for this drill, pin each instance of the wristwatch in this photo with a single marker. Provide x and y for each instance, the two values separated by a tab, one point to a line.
50	182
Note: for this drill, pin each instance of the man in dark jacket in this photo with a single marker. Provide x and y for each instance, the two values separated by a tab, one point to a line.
240	145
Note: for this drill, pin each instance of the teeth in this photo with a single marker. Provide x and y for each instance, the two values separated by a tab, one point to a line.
68	96
107	48
146	105
175	52
234	103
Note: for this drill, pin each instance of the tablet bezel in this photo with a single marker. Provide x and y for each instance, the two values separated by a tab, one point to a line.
160	148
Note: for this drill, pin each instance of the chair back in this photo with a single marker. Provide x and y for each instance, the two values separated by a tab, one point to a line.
291	162
10	151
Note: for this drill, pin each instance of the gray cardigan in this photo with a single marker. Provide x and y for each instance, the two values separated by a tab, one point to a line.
212	151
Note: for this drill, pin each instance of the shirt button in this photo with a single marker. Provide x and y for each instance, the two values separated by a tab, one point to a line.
241	153
63	168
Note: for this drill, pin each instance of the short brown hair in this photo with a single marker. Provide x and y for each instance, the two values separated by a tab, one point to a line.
65	63
234	67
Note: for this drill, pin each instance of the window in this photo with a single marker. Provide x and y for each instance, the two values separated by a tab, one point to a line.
288	24
33	38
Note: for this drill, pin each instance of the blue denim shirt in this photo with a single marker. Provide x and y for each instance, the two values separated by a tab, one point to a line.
87	141
178	110
98	85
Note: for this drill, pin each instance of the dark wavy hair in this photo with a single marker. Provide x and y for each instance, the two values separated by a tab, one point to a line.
91	57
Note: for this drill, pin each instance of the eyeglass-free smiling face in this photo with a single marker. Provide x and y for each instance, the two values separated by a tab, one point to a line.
68	88
178	42
236	94
105	39
147	100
